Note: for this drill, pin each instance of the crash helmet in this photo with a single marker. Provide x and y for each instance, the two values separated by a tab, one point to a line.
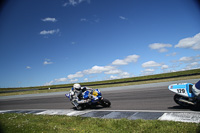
77	87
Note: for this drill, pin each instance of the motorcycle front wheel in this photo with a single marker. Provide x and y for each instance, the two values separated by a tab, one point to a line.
177	100
79	107
105	102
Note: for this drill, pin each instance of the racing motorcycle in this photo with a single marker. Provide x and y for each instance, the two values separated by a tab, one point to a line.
93	98
184	95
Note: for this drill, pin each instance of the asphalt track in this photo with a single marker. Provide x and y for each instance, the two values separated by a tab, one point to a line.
139	97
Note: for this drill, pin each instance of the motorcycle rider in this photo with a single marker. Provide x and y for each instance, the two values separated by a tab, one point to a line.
196	89
76	93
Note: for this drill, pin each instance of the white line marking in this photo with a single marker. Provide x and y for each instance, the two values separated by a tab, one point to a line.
162	111
181	117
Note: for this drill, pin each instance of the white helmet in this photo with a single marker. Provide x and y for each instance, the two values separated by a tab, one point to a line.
77	86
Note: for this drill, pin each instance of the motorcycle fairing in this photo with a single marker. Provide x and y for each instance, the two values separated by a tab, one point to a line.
183	89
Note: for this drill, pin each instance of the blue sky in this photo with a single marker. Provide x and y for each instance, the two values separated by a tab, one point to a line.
46	42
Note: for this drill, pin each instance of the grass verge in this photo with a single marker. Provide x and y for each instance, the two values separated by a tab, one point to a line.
23	123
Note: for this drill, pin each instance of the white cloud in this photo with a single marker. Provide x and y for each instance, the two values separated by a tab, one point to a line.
74	80
84	20
75	2
123	18
76	75
113	71
93	19
126	61
49	19
119	62
171	54
113	77
86	79
49	32
148	71
193	65
151	64
98	69
61	80
56	81
124	75
28	67
164	67
49	83
186	59
160	47
47	62
186	63
190	42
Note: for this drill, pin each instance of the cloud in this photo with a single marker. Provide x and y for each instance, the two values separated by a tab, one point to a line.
75	2
109	69
148	71
186	63
84	20
171	54
193	65
28	67
126	61
114	71
98	69
49	19
113	77
56	81
49	32
186	59
164	67
93	19
76	75
160	47
47	62
190	42
74	80
123	18
124	75
86	79
151	64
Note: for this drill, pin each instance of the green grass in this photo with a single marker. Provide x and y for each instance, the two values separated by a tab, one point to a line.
29	123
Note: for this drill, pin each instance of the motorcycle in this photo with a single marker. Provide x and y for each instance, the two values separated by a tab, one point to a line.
184	95
89	99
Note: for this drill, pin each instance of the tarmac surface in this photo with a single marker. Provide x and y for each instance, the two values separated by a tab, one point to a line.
154	96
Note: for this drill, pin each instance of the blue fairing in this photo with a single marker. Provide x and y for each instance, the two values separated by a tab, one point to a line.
99	93
67	95
184	89
86	94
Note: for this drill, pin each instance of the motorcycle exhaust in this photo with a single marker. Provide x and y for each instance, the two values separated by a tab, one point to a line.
186	101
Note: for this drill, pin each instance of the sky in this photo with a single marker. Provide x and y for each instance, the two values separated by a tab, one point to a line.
49	42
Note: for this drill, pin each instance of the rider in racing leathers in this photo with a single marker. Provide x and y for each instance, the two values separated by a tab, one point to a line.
76	93
196	89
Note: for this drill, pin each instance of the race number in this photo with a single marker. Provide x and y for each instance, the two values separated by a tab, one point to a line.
181	90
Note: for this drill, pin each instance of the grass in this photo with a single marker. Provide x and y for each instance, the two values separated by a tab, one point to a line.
23	123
